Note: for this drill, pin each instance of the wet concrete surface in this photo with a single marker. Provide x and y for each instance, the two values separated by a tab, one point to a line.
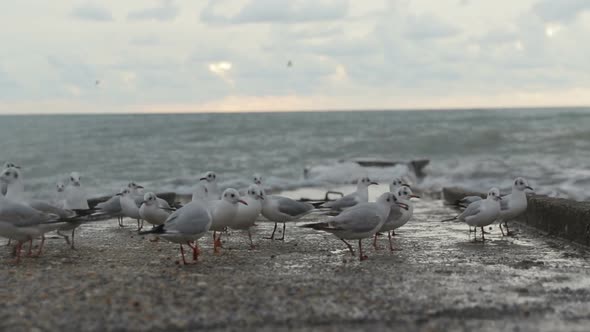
440	280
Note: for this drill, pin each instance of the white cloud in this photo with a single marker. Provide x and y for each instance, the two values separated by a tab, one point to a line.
560	10
272	11
165	11
92	12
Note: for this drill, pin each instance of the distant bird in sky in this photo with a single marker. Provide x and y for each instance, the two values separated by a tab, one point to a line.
289	64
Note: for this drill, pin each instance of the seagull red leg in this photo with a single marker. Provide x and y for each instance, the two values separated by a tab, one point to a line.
362	257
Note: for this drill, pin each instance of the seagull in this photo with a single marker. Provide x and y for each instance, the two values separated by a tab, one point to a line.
130	207
112	206
283	209
361	195
75	195
247	214
76	200
60	195
360	222
483	212
23	223
15	192
151	212
4	186
137	194
223	212
200	192
184	226
211	184
397	216
13	180
395	184
514	204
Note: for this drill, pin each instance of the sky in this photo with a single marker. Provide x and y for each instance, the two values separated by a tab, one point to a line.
64	56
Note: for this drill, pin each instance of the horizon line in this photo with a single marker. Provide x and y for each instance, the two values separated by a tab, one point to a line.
328	110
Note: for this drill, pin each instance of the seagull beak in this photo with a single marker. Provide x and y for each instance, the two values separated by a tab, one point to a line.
402	205
139	187
499	198
260	196
529	188
119	194
414	196
373	182
201	179
406	185
16	166
243	202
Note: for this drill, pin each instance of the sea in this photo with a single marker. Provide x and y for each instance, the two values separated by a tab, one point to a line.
475	149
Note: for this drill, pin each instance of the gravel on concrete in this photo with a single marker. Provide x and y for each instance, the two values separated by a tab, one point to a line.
117	280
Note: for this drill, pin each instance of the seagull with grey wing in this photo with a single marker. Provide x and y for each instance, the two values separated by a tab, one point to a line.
279	209
481	213
22	223
398	216
514	204
361	195
185	226
360	222
112	206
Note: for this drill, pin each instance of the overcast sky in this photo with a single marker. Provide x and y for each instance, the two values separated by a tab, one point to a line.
189	55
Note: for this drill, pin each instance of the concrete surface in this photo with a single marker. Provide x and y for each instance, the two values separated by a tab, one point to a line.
557	216
440	281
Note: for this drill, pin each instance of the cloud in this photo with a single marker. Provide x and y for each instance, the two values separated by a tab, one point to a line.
427	26
145	40
281	12
91	12
560	10
165	11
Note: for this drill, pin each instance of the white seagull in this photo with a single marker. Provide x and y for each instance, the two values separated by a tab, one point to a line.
151	211
482	213
359	222
398	216
184	226
112	207
283	209
223	212
130	207
361	195
4	186
514	204
211	184
247	214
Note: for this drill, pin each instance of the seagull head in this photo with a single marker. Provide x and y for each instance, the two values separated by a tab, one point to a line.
521	184
150	198
257	179
405	193
75	179
494	194
10	175
365	182
233	196
210	177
